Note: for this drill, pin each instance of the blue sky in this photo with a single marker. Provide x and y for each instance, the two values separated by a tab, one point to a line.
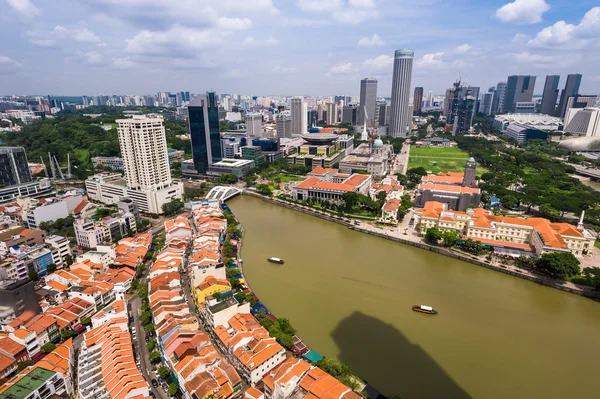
289	47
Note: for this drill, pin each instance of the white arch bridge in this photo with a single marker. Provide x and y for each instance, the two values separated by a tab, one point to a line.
223	193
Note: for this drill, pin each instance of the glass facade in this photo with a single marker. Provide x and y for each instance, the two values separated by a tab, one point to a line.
13	166
203	116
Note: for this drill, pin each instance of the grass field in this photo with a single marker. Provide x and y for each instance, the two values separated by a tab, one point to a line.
439	159
285	178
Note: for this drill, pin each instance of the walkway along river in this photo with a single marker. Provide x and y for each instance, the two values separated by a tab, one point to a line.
350	295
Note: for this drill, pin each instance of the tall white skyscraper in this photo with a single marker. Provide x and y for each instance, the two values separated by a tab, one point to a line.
144	150
299	110
332	114
254	125
400	119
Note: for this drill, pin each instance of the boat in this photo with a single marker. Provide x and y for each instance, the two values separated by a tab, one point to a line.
276	260
424	309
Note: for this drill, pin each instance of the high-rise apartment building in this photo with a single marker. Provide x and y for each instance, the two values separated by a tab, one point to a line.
519	89
254	125
144	151
332	113
368	101
498	101
203	117
400	120
283	124
550	95
417	100
571	88
299	110
14	169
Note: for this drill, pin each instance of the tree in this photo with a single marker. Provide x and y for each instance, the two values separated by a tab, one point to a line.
68	260
351	200
285	326
473	246
235	282
146	317
173	207
381	197
85	321
150	344
334	367
149	328
23	365
241	296
433	235
232	272
66	334
228	261
173	389
592	275
559	264
164	372
264	189
266	322
350	382
509	201
228	179
450	237
155	357
228	248
415	174
47	348
33	276
51	268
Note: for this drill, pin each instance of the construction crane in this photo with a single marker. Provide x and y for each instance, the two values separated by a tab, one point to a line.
44	164
62	177
69	166
52	167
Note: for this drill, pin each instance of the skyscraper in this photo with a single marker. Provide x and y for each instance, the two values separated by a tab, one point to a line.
384	113
550	95
475	93
417	100
498	101
14	169
143	145
332	113
571	88
368	100
349	114
519	88
283	124
485	106
254	125
203	117
400	120
299	115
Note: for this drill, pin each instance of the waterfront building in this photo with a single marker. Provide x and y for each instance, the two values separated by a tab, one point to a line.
372	158
368	102
519	88
204	131
330	184
550	95
400	119
507	235
237	167
318	150
571	89
583	121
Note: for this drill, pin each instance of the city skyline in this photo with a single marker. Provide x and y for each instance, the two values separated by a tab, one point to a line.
75	48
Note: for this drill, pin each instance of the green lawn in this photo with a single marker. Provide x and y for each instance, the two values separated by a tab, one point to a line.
286	178
440	159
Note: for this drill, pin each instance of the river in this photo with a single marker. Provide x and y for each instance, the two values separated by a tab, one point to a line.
349	295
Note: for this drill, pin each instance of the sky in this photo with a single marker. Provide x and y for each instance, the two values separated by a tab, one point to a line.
289	47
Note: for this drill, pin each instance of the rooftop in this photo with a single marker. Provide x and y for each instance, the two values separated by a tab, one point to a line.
29	383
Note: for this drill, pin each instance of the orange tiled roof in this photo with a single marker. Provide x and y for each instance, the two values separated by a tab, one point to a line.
308	183
321	385
448	188
6	363
22	333
392	205
11	346
291	368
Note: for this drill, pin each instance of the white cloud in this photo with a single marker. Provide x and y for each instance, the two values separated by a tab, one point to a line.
522	11
374	41
252	42
235	23
94	58
85	36
520	38
123	63
431	60
60	33
284	70
8	65
43	42
342	11
380	65
342	69
464	48
554	61
234	73
24	8
569	36
176	40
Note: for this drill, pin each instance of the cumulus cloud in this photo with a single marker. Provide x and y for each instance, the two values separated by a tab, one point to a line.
252	42
380	65
8	65
545	60
522	11
374	41
178	40
94	58
430	60
342	69
235	23
60	33
123	63
342	11
464	48
85	36
570	36
25	8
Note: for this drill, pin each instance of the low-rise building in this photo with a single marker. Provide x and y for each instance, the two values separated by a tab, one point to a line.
329	184
318	150
533	121
237	167
522	133
63	248
36	383
91	233
372	158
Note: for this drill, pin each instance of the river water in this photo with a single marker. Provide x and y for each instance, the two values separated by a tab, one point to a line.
349	295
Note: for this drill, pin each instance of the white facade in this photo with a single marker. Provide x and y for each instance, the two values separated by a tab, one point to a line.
299	110
400	117
583	121
62	246
89	235
283	123
253	125
144	151
332	114
220	315
534	121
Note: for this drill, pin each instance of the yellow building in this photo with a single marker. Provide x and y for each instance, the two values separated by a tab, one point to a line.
208	287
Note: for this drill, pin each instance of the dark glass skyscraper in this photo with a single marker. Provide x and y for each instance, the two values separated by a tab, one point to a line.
417	100
203	117
571	88
14	169
519	88
550	95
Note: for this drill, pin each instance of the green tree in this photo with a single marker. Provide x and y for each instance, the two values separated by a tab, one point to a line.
285	326
264	189
150	344
24	364
164	372
450	237
241	296
68	260
592	275
149	328
47	348
228	249
473	246
173	389
146	317
232	272
235	282
433	235
85	321
155	357
66	334
351	199
350	382
33	276
266	322
172	207
509	201
558	264
334	367
51	268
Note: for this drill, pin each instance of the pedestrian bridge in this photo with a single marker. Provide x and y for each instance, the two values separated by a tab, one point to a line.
223	193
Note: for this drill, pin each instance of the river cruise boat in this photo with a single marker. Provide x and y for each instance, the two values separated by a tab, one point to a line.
424	309
275	260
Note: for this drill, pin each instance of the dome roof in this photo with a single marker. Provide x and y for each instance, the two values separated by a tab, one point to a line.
378	143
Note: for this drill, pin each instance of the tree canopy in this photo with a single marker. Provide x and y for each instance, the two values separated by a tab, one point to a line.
558	264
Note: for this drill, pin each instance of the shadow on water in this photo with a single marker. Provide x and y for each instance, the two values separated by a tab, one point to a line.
381	354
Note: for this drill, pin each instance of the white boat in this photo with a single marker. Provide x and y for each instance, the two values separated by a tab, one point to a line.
424	309
275	260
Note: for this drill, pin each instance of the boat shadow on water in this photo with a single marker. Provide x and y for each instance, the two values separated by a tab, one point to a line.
381	354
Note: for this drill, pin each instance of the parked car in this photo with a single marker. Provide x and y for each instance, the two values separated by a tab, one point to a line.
154	383
147	338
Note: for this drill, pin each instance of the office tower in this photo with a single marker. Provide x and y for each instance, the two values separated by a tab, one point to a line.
417	100
550	95
400	121
229	147
451	102
143	145
475	93
84	100
349	114
187	96
203	117
384	113
14	169
498	102
368	100
581	101
429	99
463	113
312	118
571	88
283	125
583	121
254	125
332	113
485	106
519	89
226	103
299	115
